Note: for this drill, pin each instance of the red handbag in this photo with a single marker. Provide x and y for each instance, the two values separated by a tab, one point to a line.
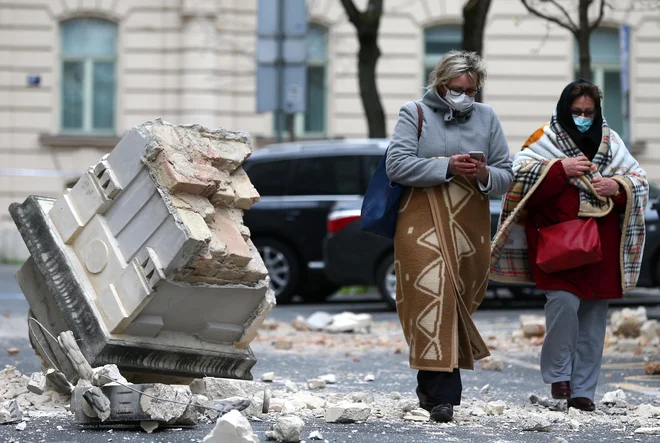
568	245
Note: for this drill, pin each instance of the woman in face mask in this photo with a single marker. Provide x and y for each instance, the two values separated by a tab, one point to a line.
580	197
451	154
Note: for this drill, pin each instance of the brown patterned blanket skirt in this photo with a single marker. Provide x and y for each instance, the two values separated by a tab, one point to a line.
442	260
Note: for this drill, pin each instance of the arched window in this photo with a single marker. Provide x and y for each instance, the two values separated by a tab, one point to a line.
89	53
317	74
606	73
439	40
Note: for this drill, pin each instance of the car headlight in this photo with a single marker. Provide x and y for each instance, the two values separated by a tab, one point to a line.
652	227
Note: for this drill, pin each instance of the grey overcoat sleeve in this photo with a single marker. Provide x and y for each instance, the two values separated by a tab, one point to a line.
403	165
499	161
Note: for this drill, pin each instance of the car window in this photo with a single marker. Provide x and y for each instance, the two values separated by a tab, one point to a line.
654	191
269	178
326	176
370	164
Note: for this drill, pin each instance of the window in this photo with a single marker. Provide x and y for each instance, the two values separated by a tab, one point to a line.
327	176
437	42
606	73
269	178
370	165
88	50
313	121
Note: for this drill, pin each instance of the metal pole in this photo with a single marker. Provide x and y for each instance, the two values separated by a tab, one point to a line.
279	63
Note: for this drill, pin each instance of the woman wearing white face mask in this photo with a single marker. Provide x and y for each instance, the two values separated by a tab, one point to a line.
442	249
579	197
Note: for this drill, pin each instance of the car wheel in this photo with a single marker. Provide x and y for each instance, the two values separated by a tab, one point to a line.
386	280
282	265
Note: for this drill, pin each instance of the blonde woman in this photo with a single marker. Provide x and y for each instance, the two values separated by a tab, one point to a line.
442	240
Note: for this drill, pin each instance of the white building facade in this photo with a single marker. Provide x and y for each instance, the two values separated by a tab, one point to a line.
76	74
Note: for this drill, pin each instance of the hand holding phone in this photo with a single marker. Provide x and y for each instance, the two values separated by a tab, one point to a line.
476	155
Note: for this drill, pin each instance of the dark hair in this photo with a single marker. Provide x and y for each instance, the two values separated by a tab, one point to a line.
588	89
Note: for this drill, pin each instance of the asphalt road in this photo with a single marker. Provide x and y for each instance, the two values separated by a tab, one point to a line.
519	377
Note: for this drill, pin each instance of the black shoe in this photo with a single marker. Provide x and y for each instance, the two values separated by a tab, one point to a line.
582	403
443	413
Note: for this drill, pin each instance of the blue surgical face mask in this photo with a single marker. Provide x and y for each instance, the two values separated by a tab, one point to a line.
583	123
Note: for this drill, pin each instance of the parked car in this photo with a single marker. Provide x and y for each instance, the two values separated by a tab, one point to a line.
299	184
354	257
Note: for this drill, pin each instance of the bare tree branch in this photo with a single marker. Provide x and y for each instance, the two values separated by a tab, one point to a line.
601	14
352	11
570	26
563	11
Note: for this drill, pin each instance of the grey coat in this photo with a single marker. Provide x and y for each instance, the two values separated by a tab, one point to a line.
444	134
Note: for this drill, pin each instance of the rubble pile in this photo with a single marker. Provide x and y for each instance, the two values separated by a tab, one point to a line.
630	330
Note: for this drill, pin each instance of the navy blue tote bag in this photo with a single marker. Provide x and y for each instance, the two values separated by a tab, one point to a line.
380	206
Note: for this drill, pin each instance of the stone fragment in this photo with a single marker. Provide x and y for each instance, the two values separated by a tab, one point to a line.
551	404
538	424
293	405
37	383
99	403
21	426
245	195
107	374
311	401
349	322
223	406
628	322
627	345
361	397
478	412
495	407
165	411
316	383
617	397
288	428
652	368
315	435
299	323
68	343
10	412
346	412
485	390
291	386
221	388
284	345
276	405
370	377
58	382
649	333
418	414
395	395
13	351
648	431
330	379
149	426
232	427
492	364
318	320
558	440
268	377
532	325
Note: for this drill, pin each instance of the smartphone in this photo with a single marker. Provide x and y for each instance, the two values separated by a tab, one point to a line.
477	155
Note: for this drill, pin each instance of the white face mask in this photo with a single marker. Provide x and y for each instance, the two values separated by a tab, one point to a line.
461	103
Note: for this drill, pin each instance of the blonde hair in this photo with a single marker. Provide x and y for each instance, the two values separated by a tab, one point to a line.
455	63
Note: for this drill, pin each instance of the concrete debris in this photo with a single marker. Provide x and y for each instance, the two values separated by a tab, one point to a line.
558	440
478	412
291	386
318	320
37	383
538	424
292	405
21	426
232	427
58	381
495	407
485	390
316	383
361	397
10	412
68	344
627	345
628	322
107	374
395	395
350	322
315	435
222	388
288	428
13	387
13	351
648	431
370	377
284	345
492	364
330	379
612	398
276	405
420	415
98	402
652	368
299	323
347	413
165	411
149	426
532	325
649	333
310	400
268	377
551	404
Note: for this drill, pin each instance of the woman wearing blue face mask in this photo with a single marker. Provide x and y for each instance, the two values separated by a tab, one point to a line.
575	183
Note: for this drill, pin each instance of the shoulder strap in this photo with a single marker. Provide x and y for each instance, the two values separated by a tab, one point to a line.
420	120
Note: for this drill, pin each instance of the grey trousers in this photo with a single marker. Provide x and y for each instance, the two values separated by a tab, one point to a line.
575	337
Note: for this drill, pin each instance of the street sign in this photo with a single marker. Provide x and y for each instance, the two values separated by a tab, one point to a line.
281	56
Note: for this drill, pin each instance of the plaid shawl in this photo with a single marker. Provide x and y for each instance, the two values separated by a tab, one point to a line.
549	144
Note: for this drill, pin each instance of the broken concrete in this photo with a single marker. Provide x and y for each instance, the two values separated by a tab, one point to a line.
288	428
232	428
319	320
153	406
10	412
98	402
130	254
218	388
532	325
628	322
492	364
613	398
347	413
37	383
58	381
652	368
349	322
107	374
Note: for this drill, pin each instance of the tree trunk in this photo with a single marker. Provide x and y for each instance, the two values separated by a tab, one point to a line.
373	109
475	13
583	36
